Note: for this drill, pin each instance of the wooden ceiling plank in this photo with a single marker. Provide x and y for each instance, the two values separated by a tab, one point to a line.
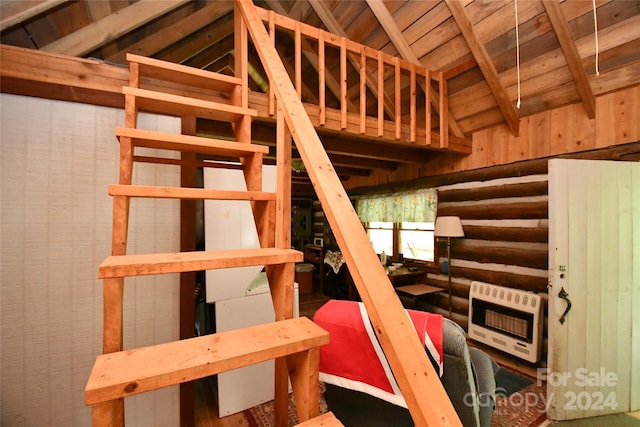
388	24
486	65
571	55
333	26
15	12
111	27
159	40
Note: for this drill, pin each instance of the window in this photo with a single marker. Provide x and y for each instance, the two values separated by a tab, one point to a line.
414	240
381	237
401	223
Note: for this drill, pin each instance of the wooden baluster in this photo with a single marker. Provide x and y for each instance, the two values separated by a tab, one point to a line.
343	83
412	103
444	107
398	97
321	79
380	94
272	36
363	90
427	107
298	59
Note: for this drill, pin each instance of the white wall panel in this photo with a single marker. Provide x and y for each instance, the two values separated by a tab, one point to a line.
56	161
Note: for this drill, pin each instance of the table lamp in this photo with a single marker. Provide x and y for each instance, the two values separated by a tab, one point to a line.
448	226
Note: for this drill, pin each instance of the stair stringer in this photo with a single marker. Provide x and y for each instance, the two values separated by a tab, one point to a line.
407	358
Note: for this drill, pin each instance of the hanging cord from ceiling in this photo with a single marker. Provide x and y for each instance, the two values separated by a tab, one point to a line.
595	24
518	54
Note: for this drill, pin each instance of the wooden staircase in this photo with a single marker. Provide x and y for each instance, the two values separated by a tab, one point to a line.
293	342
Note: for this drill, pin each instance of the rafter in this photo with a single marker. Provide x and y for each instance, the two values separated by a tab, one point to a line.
397	38
334	26
15	12
571	55
111	27
485	63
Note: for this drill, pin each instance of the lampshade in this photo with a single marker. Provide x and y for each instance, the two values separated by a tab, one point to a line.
448	226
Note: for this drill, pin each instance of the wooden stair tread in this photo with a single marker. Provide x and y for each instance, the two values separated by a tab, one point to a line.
194	144
129	372
162	263
177	105
188	193
325	420
191	76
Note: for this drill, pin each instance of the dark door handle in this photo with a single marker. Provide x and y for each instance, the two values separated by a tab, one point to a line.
565	296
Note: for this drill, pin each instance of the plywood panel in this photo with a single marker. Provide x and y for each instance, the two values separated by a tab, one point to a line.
57	160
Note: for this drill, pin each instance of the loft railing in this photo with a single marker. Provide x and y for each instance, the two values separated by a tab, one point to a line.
419	95
426	399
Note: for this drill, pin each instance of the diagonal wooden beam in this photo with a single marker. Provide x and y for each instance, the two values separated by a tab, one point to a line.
111	27
15	12
334	26
571	55
397	38
410	366
485	63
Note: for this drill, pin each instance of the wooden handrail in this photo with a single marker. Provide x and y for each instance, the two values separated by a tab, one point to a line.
423	392
372	66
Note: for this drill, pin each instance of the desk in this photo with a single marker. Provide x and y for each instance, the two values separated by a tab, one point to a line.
402	275
418	290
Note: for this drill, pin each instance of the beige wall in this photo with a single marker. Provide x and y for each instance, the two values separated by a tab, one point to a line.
563	130
57	159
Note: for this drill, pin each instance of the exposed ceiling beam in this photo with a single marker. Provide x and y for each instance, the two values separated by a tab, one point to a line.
571	55
307	50
334	27
171	34
15	12
485	63
111	27
397	38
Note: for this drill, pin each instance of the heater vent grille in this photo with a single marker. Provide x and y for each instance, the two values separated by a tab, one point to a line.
507	319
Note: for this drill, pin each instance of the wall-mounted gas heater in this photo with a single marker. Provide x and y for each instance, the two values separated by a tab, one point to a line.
507	319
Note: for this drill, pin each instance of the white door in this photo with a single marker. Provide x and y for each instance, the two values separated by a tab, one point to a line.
594	265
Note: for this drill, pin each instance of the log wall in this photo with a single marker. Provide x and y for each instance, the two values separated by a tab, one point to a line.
505	220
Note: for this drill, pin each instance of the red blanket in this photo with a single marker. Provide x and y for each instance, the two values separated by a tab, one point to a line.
354	358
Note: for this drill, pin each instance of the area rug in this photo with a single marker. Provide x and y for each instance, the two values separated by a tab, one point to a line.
509	382
523	408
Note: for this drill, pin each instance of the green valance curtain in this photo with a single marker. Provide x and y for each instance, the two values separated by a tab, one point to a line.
413	206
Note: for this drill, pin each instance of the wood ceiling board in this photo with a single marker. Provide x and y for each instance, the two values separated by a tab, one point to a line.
571	55
486	65
211	53
610	37
156	42
616	57
346	12
189	46
435	38
445	56
616	79
107	29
